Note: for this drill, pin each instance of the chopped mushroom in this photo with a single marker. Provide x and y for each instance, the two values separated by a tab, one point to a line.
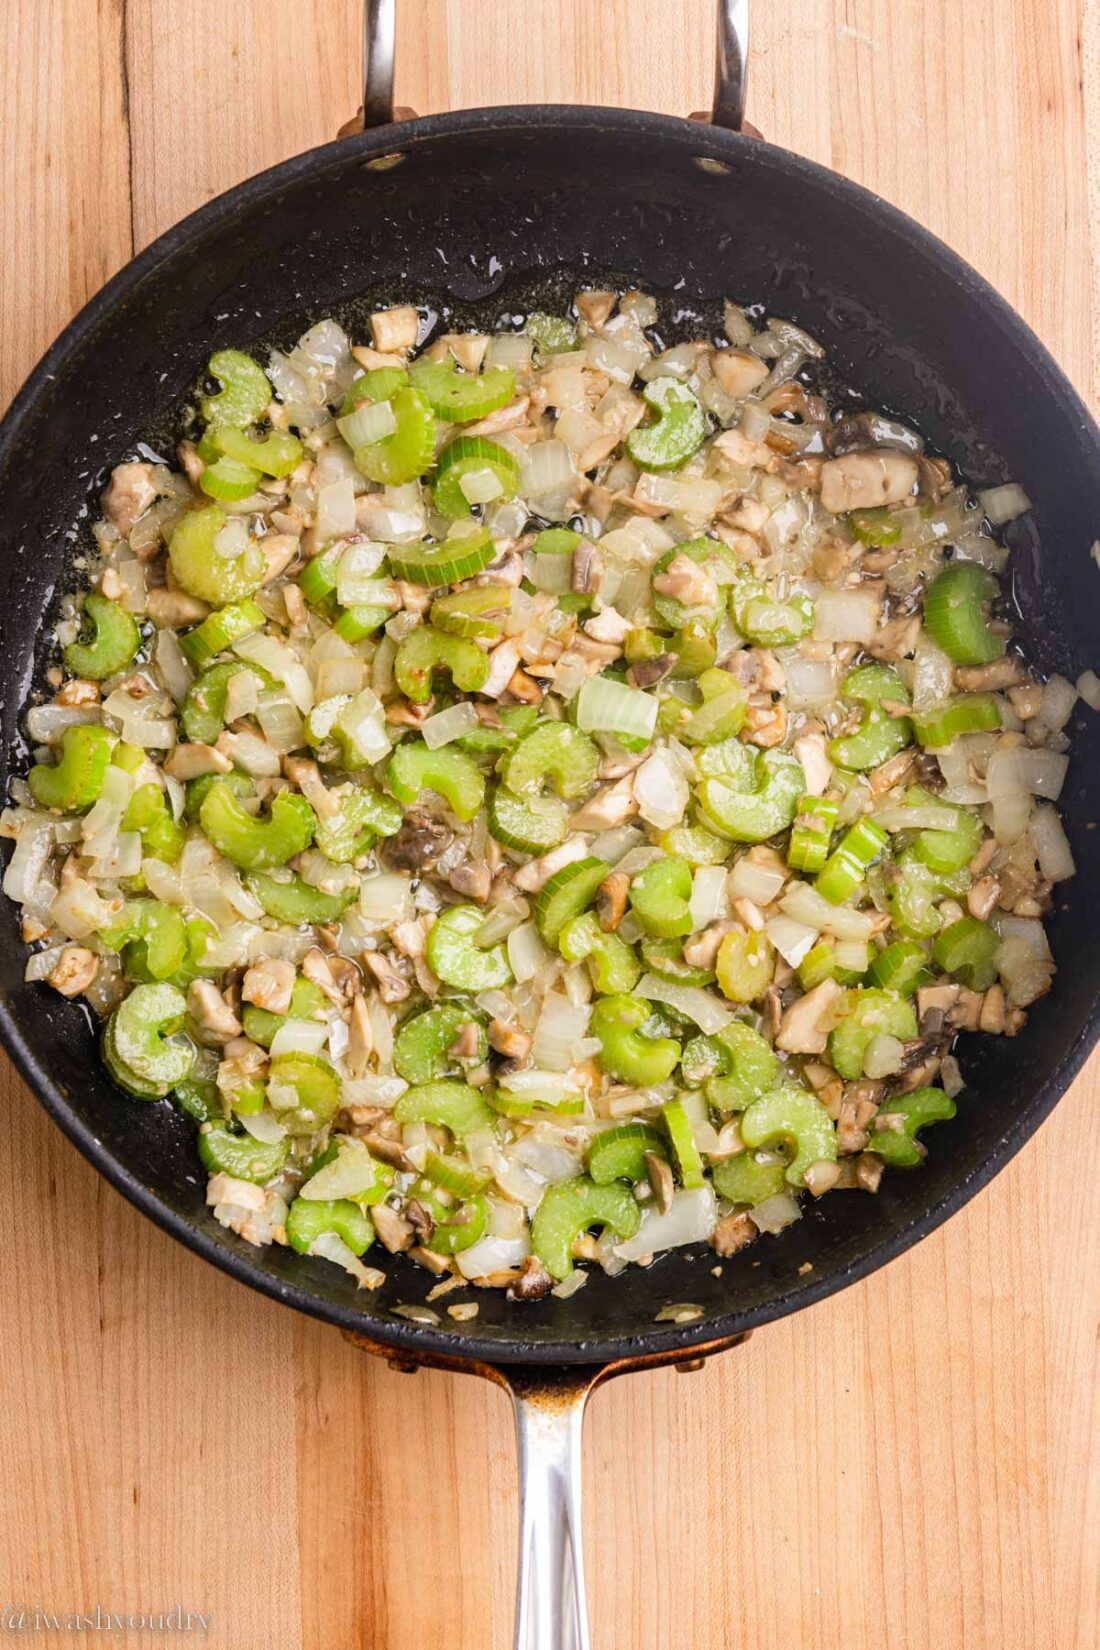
268	984
509	1040
611	900
191	760
467	1041
533	1282
173	609
392	987
475	881
595	306
686	581
863	480
74	970
395	1233
132	491
613	805
660	1178
738	371
805	1026
733	1232
395	331
215	1020
1002	673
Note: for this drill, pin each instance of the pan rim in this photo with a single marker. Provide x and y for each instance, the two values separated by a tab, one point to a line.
693	139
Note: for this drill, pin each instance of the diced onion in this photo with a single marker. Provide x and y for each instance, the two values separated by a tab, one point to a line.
46	723
698	1004
385	897
708	889
807	905
370	423
932	674
526	952
447	725
750	880
280	661
660	789
1088	688
775	1213
847	615
1004	503
1059	698
493	1254
1039	772
691	1218
561	1024
1051	845
335	510
300	1037
791	939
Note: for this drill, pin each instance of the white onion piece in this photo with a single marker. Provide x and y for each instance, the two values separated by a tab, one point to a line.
809	681
698	1004
545	1088
41	963
695	500
1004	503
932	674
300	1037
661	790
775	1213
447	725
1051	845
807	905
280	661
46	723
691	1218
561	1024
335	517
493	1254
791	939
545	1158
1088	688
1039	772
175	672
331	1247
847	615
1010	816
264	1126
27	863
385	897
708	887
526	952
1059	698
356	584
750	880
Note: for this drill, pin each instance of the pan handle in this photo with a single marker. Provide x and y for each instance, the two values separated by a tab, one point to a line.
551	1613
731	60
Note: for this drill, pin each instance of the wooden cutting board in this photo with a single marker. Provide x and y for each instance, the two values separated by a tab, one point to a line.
912	1465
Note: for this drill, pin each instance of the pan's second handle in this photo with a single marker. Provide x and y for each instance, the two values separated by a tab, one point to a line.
551	1613
731	64
379	33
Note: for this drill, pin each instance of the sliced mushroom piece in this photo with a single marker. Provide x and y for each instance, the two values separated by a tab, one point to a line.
214	1019
511	1041
394	1231
660	1179
867	480
613	805
611	900
475	881
805	1026
738	371
392	986
74	970
268	984
395	331
533	1282
733	1232
132	490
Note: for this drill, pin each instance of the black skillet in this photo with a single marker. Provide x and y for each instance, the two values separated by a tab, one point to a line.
488	210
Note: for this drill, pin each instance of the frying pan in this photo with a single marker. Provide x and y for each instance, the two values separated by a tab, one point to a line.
486	212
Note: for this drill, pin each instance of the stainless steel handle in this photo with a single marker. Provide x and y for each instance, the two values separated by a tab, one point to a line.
731	64
551	1613
379	36
731	60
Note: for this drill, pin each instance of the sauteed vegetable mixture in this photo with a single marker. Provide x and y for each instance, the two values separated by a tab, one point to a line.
544	796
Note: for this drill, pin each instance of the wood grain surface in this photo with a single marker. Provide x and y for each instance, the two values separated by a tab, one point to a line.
913	1465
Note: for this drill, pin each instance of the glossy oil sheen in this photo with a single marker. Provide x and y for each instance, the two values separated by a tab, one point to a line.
481	207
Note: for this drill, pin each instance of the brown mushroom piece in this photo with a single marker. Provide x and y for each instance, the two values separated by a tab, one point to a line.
867	480
418	844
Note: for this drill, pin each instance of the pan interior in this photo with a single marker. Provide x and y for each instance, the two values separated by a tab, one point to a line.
482	216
